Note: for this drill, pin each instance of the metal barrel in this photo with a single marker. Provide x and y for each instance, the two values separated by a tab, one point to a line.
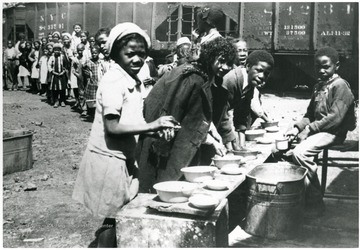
17	151
275	206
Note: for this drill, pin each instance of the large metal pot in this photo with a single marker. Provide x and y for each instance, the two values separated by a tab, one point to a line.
275	203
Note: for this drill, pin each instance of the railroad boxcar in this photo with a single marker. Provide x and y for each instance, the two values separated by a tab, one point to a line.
291	31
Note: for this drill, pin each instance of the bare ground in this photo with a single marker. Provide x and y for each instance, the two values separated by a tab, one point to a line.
49	213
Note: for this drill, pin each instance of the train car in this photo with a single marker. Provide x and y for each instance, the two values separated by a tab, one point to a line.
291	31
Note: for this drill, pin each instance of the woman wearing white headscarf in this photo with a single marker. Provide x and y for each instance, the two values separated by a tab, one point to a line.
107	177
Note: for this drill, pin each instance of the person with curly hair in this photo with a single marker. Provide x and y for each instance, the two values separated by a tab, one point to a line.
222	52
184	93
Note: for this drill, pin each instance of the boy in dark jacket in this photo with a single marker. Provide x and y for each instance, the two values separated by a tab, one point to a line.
329	116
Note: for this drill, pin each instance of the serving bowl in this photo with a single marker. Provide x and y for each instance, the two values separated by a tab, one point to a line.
226	160
245	152
199	173
269	124
217	184
272	129
175	191
204	201
232	170
251	135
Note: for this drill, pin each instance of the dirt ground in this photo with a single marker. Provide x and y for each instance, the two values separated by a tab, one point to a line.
49	213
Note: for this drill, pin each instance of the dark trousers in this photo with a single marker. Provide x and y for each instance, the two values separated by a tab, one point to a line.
59	93
11	75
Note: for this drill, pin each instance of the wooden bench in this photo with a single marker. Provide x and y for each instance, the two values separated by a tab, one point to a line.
347	146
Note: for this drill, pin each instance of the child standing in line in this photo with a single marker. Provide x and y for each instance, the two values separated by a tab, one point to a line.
57	66
10	65
43	69
84	40
24	68
68	53
76	76
75	38
93	71
107	177
49	95
34	59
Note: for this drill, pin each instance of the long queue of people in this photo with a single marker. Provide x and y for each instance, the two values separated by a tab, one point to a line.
149	123
60	67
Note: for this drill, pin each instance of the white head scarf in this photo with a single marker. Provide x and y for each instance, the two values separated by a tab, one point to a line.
123	29
66	34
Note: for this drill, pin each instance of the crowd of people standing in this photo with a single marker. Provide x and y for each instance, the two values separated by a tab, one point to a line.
150	121
60	67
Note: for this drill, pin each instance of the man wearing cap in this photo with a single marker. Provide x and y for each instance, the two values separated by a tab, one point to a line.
209	19
182	55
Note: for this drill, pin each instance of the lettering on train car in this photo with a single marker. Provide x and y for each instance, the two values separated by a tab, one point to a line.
52	25
336	25
294	26
258	23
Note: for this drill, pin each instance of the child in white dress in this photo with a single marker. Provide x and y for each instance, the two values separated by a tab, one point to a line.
107	177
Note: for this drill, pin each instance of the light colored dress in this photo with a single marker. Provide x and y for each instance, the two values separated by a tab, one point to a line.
43	69
34	70
108	166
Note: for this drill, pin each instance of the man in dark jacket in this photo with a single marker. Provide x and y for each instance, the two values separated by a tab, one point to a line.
237	94
185	94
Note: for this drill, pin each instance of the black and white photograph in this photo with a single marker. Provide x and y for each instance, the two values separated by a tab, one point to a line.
172	124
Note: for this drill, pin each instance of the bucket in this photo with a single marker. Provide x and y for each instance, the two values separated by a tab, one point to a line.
275	204
17	151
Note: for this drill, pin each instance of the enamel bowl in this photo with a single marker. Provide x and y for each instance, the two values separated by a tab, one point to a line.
199	173
175	191
220	162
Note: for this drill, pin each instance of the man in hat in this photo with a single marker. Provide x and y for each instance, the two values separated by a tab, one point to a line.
209	19
181	56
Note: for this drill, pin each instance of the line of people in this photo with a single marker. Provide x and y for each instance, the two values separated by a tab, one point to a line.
60	67
150	123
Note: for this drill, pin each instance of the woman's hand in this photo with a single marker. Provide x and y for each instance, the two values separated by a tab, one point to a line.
218	146
166	122
233	145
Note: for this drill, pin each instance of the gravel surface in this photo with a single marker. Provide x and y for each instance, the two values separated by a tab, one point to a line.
47	216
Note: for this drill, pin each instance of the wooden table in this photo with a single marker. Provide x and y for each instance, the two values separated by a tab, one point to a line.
233	180
139	226
181	224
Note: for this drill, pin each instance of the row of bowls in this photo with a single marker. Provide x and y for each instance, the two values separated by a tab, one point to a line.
254	134
180	191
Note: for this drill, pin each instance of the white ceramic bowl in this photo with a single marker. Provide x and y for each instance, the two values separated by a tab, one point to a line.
203	201
217	184
199	173
251	135
272	129
175	191
232	170
220	162
269	124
